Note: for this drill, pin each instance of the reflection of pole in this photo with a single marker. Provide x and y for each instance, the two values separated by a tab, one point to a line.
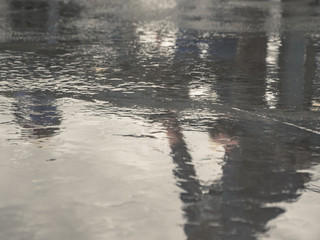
272	74
251	63
5	32
310	72
52	22
273	27
273	21
292	74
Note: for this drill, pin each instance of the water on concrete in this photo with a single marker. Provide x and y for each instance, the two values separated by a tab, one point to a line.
167	119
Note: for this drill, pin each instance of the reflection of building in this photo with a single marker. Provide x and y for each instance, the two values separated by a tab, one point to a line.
34	17
291	61
37	114
40	20
28	15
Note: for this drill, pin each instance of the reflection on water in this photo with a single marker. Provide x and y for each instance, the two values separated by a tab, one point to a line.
161	114
37	114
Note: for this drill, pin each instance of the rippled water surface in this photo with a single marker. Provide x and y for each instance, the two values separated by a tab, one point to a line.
167	119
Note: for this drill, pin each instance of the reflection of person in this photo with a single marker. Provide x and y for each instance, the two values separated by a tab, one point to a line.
234	206
37	114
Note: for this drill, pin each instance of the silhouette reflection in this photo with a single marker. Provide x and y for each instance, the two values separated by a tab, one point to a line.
260	167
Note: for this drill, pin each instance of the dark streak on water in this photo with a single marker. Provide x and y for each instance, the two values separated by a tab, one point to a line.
170	119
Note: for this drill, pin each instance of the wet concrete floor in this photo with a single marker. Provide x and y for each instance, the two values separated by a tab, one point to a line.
159	119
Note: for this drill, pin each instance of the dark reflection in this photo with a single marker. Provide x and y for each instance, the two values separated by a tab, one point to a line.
37	114
251	70
184	171
310	73
297	62
256	173
292	71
